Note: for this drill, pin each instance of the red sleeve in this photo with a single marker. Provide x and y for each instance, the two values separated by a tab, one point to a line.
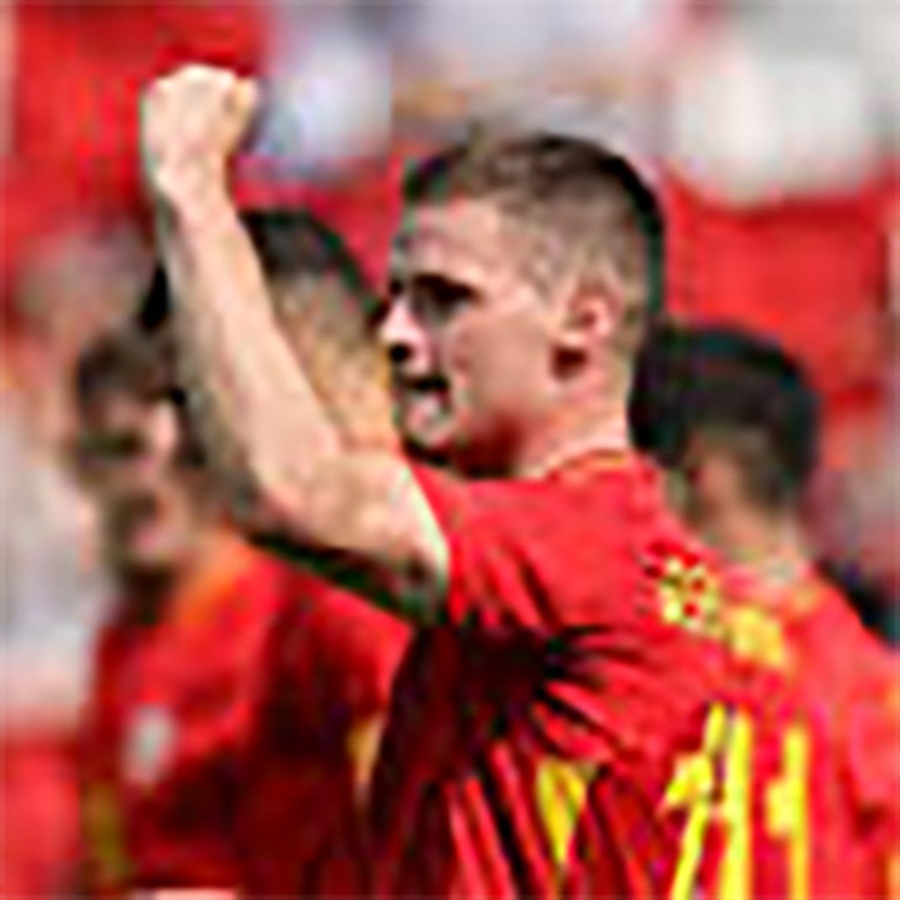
538	555
555	590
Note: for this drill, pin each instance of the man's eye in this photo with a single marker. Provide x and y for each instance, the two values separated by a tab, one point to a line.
112	446
441	293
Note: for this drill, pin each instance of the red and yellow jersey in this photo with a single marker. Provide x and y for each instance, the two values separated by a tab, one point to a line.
850	682
598	717
219	746
874	759
785	806
533	734
817	673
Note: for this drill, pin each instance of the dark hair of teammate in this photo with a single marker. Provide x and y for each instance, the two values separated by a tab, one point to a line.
291	244
727	386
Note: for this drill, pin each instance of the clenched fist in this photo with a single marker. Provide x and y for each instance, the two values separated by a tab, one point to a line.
191	123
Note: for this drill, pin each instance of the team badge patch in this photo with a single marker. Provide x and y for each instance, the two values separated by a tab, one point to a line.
149	745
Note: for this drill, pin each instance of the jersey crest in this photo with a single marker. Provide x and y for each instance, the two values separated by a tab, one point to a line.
149	746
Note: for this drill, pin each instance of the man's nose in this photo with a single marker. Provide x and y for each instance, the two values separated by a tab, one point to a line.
400	334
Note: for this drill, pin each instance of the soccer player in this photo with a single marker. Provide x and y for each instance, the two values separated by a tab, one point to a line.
236	700
548	720
734	420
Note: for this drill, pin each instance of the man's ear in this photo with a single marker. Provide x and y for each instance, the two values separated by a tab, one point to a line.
587	317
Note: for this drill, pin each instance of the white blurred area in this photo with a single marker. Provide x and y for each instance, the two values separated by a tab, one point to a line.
751	121
329	88
508	41
53	591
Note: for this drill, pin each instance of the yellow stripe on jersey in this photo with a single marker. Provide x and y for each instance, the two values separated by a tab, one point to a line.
363	744
561	792
757	636
105	834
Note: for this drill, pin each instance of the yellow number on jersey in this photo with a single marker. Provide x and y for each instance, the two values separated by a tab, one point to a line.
787	805
695	787
714	786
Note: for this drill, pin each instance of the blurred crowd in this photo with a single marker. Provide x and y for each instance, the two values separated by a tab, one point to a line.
772	131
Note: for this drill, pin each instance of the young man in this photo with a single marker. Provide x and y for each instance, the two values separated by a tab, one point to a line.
570	646
735	422
236	700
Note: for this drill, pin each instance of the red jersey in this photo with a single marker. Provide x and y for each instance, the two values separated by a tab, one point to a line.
534	733
848	680
875	763
785	806
220	738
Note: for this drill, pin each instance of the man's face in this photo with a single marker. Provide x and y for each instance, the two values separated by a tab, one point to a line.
127	451
467	335
713	490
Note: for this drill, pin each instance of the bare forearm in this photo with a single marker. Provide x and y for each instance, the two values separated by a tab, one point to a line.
255	409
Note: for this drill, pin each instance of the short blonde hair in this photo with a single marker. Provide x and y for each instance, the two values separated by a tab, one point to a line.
587	206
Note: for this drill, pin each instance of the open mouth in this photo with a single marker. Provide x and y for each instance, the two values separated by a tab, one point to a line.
421	385
134	514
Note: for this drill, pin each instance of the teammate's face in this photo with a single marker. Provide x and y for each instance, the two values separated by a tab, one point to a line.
127	455
467	336
713	492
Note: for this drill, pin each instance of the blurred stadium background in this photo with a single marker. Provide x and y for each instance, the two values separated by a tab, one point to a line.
771	127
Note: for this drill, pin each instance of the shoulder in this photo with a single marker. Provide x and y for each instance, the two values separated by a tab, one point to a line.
874	737
602	506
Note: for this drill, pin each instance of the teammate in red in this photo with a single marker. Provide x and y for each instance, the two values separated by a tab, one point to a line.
237	701
875	750
571	651
734	420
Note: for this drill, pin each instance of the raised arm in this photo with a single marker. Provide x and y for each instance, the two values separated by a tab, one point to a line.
354	511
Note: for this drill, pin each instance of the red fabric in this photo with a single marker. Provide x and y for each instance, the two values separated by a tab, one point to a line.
874	733
80	70
858	689
38	815
811	272
555	658
252	688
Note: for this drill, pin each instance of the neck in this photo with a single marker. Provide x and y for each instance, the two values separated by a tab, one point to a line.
146	593
151	593
773	551
577	429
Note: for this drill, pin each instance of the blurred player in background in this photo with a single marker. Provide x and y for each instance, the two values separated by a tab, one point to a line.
237	701
550	719
53	590
735	422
